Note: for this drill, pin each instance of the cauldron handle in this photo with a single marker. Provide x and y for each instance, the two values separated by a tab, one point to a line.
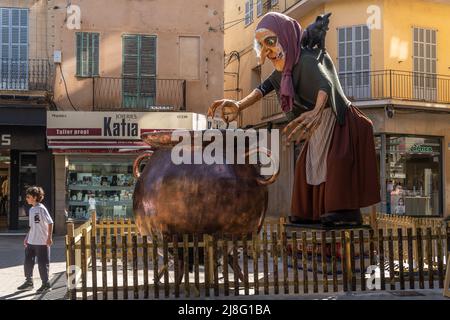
260	180
137	163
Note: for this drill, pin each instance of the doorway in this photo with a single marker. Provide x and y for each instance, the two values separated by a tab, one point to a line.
5	162
27	178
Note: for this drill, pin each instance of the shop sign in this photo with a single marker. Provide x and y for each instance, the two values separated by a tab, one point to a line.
5	140
420	148
117	125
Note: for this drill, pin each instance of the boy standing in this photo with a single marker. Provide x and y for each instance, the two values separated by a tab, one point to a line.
38	240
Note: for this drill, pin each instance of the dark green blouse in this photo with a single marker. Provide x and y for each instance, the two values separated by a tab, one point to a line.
314	71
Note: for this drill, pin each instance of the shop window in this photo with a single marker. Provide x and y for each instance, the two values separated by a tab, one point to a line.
5	162
87	54
103	185
414	176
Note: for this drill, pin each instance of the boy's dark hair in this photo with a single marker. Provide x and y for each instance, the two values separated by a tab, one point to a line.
37	192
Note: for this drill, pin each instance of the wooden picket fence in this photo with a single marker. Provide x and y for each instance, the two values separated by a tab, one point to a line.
112	261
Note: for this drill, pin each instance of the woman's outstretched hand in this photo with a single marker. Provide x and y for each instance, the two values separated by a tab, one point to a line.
303	127
230	109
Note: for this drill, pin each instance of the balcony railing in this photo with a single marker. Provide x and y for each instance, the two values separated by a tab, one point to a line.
26	75
384	84
394	84
270	106
138	94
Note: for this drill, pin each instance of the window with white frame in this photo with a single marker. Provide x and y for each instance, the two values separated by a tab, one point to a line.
424	61
14	28
354	60
259	8
248	12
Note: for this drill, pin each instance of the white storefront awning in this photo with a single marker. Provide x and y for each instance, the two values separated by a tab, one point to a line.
119	131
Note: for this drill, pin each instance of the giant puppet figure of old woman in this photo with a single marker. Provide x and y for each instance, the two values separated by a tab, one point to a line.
336	171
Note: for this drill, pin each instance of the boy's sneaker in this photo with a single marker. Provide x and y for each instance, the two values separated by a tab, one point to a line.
28	285
44	287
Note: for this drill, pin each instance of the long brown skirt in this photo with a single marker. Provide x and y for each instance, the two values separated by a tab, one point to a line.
352	180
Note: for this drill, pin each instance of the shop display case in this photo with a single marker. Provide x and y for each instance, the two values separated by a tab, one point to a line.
106	187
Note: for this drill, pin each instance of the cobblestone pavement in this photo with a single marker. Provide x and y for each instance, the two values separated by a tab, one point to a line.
11	270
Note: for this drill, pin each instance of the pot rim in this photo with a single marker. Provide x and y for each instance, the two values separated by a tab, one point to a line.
162	138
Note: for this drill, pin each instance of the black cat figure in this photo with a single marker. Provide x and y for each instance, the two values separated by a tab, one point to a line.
315	33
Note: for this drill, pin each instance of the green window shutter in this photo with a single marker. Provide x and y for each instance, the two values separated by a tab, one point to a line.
87	54
79	49
148	67
148	56
95	54
130	70
139	71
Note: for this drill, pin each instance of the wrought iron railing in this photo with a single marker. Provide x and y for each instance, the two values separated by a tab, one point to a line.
383	84
26	75
270	106
138	94
395	84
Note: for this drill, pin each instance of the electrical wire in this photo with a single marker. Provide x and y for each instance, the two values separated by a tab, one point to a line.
65	86
238	21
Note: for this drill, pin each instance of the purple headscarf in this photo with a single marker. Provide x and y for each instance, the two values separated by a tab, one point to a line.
289	35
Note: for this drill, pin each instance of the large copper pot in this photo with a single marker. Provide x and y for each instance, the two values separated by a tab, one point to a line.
196	198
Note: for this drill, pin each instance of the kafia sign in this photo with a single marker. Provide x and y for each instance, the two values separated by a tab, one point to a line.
117	125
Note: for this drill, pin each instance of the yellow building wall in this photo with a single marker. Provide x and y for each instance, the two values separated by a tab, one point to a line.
400	16
347	13
396	20
397	17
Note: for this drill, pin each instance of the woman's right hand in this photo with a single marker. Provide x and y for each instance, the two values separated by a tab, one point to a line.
230	109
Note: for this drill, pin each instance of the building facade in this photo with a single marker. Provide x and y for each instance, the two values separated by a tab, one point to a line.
393	62
138	65
26	77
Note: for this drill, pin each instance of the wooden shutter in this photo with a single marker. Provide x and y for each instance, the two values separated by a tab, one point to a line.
94	54
130	70
87	54
148	66
14	48
148	56
139	70
5	47
79	41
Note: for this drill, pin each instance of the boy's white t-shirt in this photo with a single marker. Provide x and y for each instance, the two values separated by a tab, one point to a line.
39	221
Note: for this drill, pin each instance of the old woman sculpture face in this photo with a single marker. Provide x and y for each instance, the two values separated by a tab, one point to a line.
268	46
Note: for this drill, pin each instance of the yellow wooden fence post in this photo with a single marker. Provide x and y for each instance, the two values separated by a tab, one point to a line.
94	223
447	279
70	234
373	218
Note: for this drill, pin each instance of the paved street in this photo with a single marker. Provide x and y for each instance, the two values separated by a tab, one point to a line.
11	270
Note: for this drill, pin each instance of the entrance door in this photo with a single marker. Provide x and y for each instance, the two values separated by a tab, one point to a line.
5	162
27	178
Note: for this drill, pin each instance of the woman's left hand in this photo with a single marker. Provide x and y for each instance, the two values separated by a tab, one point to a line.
304	126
